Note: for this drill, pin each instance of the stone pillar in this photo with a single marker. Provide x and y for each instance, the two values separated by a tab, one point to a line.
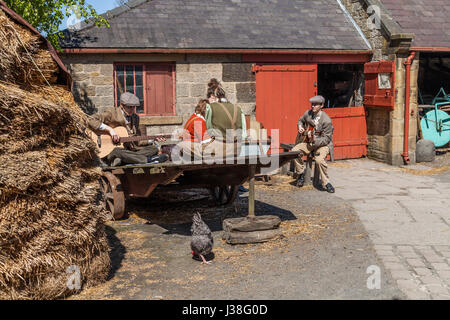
397	118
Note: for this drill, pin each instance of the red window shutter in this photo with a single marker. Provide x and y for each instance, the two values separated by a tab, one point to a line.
374	95
159	90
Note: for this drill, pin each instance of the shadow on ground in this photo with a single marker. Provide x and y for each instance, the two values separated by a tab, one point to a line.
167	212
117	252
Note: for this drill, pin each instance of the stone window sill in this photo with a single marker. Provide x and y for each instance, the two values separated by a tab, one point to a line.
160	120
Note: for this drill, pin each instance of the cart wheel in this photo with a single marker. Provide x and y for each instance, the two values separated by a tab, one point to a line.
224	195
114	196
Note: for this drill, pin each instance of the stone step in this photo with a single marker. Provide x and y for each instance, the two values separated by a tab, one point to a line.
237	237
248	224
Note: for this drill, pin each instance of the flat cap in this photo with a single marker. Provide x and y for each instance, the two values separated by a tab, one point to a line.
130	100
317	100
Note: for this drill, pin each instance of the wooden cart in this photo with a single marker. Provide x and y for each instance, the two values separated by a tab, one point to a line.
223	180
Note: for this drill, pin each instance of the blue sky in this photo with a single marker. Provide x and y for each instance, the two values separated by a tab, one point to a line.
101	6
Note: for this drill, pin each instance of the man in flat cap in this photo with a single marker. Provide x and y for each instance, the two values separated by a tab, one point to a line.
315	133
125	116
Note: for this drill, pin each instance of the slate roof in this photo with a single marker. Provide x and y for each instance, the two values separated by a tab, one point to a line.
429	20
222	24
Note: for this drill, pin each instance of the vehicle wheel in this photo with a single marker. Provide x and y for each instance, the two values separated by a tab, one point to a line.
224	195
114	196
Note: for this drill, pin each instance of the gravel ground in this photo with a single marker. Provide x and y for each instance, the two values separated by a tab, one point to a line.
442	158
324	252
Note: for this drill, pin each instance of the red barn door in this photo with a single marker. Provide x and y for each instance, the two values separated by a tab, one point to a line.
350	132
282	96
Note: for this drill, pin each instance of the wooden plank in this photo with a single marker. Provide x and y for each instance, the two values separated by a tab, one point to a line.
251	193
237	161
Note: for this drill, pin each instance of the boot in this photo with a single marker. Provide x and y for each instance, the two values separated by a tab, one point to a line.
300	180
117	162
160	158
329	188
103	164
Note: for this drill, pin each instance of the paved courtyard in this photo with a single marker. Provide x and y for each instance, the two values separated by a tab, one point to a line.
406	212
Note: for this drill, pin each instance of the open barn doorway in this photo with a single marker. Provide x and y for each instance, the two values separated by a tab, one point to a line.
434	75
342	85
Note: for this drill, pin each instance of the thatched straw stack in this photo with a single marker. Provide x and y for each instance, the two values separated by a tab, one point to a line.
16	46
51	206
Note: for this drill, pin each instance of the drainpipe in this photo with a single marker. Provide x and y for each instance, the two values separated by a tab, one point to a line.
408	64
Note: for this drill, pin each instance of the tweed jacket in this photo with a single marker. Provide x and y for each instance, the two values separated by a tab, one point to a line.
114	117
324	128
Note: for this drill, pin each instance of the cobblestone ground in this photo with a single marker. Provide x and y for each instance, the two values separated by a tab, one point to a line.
406	213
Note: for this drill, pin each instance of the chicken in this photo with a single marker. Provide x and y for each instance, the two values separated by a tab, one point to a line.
202	240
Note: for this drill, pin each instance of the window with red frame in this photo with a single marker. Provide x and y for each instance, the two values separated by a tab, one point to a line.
152	83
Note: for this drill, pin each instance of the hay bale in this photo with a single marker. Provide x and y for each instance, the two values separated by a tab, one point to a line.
52	210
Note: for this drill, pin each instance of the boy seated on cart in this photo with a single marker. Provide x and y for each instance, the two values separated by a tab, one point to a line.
125	116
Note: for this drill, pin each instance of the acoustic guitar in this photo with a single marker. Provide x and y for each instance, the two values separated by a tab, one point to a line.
304	136
105	144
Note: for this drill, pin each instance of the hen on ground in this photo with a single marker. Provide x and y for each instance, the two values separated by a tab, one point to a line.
202	240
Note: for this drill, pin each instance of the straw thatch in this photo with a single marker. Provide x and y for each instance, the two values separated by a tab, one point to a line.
17	48
52	211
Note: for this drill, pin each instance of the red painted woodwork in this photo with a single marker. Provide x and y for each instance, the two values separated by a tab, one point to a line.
228	51
350	132
153	83
374	95
310	57
159	90
282	96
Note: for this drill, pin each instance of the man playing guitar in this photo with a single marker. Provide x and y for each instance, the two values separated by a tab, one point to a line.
315	133
125	116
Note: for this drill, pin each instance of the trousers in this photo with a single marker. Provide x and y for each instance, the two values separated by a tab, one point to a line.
133	157
319	155
195	151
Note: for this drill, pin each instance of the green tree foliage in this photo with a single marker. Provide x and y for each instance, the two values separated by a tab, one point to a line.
47	15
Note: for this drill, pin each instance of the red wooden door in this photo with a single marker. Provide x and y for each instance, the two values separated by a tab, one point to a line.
282	97
350	132
379	86
159	90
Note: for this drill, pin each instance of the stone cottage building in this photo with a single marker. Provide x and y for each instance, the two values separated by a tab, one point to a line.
270	56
